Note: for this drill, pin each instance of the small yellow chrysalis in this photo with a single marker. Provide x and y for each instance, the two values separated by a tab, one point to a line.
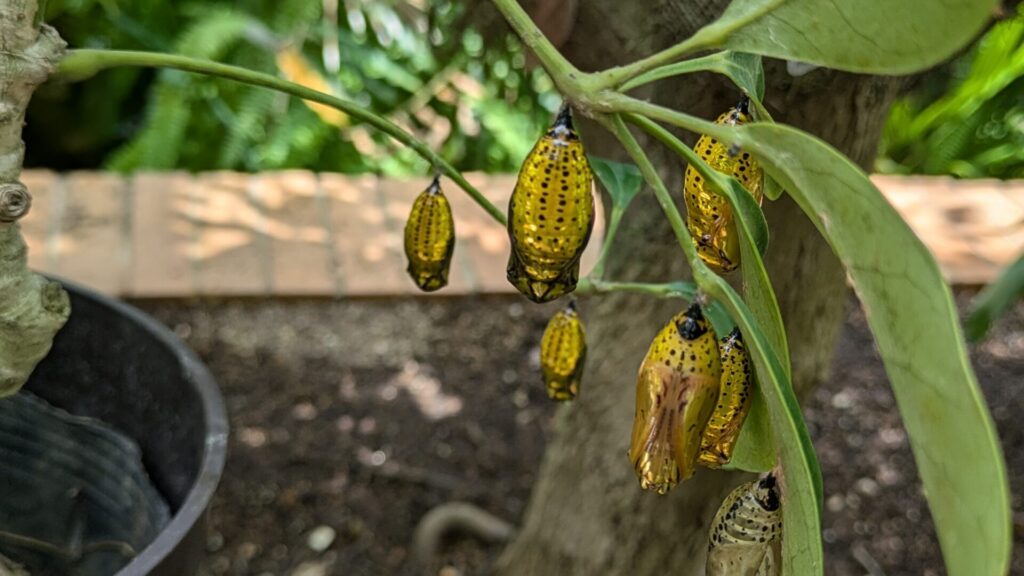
746	534
733	403
430	238
563	350
551	214
675	394
708	215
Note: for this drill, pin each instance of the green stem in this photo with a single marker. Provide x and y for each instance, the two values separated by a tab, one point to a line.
701	273
84	63
684	290
711	36
628	105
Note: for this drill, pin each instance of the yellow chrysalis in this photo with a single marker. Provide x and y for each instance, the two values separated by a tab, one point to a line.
430	238
675	394
733	403
746	534
563	349
551	214
708	215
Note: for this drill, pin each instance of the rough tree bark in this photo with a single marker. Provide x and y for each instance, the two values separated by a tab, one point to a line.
587	514
32	308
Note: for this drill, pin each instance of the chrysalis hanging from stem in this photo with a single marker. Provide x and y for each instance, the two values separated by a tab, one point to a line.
551	214
563	350
746	534
430	238
733	404
675	394
708	215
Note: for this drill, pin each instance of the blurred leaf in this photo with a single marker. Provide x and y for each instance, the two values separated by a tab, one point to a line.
995	299
913	317
870	36
622	181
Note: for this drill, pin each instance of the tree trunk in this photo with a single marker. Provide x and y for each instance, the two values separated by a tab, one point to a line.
587	514
32	308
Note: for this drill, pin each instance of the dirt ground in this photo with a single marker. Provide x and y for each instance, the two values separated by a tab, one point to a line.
350	420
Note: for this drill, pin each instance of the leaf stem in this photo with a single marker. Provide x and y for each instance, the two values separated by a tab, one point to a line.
618	127
684	290
84	63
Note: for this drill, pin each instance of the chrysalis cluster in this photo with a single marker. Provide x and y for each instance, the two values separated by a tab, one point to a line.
746	534
733	403
708	215
563	349
675	395
551	214
430	238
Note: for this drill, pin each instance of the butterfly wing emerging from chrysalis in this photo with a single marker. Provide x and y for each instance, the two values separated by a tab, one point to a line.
675	394
733	403
551	214
708	215
430	238
563	350
746	534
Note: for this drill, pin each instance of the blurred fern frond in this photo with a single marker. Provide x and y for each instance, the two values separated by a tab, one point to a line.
974	127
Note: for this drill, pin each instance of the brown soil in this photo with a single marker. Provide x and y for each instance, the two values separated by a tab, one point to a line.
362	415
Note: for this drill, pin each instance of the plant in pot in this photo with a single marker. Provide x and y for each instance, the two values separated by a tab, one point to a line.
111	455
722	243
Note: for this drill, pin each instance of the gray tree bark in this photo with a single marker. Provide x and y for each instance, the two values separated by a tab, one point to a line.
587	514
32	308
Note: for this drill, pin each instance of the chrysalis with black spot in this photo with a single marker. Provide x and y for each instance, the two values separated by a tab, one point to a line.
563	350
746	534
430	238
708	215
733	403
676	391
551	214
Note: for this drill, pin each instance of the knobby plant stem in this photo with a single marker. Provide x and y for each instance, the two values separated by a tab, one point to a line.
84	63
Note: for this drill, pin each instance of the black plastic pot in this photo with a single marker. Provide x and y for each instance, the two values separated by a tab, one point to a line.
114	363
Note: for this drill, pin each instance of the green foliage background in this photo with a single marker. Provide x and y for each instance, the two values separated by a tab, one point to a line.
967	118
401	58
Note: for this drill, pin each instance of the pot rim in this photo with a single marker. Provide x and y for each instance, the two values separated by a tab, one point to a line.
214	454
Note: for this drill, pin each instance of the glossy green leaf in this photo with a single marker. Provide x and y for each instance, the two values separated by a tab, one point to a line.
990	304
913	317
871	36
622	181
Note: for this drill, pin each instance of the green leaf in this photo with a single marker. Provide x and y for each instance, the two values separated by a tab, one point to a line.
622	181
745	71
995	299
913	317
871	36
801	478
